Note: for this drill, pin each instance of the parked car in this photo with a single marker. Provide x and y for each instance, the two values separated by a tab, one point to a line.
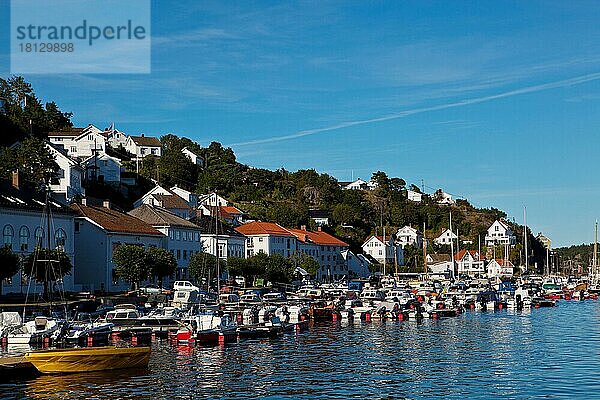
185	285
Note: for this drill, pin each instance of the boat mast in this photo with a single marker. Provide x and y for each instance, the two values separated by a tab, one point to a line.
217	246
595	257
525	234
452	246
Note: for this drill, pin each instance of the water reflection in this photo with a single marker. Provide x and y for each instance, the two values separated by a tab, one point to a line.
545	353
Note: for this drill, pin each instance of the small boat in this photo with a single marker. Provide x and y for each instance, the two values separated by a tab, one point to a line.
34	332
58	361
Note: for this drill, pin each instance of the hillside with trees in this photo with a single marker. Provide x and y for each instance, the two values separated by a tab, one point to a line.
281	196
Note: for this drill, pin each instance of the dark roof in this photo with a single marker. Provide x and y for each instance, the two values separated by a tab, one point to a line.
70	132
440	258
158	216
115	221
318	213
27	198
146	141
207	225
170	201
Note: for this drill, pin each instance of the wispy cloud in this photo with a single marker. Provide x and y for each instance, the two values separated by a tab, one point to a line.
525	90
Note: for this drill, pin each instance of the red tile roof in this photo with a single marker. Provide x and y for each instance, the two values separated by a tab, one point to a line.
263	228
318	237
115	221
461	254
224	211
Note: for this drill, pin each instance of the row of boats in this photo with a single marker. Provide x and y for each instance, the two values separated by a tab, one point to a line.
242	314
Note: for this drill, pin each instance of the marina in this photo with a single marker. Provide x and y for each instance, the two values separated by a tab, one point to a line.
501	354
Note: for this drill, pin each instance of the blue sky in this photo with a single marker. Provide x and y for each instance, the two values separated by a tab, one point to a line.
496	102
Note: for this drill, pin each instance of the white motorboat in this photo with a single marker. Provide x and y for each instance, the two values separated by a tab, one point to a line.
34	332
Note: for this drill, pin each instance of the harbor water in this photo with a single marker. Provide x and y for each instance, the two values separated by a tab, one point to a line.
539	353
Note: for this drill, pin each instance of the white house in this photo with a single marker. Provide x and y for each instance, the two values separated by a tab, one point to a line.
225	243
319	217
326	250
141	146
409	236
442	197
68	180
23	228
79	142
268	238
182	236
500	269
414	196
440	265
189	197
98	232
360	184
114	137
446	237
165	198
500	233
383	251
358	264
469	263
212	199
103	168
195	158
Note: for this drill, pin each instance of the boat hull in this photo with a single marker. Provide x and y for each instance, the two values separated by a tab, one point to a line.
88	359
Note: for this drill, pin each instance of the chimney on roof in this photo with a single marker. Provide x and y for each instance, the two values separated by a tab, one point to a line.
106	204
303	227
15	179
142	135
319	228
83	201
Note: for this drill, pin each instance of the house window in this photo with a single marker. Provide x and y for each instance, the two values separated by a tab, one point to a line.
171	235
184	236
143	151
196	236
39	236
177	235
73	149
24	238
60	238
8	236
153	151
185	254
77	226
497	228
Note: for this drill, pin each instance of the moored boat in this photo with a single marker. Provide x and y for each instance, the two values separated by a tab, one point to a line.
57	361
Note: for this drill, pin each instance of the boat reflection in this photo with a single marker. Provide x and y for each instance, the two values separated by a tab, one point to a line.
89	385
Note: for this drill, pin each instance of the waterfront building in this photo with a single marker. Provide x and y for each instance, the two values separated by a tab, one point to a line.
383	251
268	238
358	264
500	269
23	228
500	233
469	263
98	232
440	265
220	239
183	238
326	249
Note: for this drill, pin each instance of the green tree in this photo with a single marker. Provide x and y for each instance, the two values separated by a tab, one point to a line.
279	269
47	266
131	264
33	160
10	264
203	267
162	263
306	262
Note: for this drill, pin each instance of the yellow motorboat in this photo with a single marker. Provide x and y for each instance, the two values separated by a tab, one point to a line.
88	359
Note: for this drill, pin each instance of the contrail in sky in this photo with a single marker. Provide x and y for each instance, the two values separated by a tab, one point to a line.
529	89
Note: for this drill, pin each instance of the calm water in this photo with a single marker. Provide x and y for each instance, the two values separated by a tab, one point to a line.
544	353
